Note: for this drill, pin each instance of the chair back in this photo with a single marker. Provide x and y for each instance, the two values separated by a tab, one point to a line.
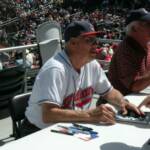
49	38
18	106
11	83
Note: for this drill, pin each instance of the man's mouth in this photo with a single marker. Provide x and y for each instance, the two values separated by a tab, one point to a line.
98	50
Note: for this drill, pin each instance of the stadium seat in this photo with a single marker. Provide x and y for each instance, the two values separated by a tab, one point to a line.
49	39
11	84
18	106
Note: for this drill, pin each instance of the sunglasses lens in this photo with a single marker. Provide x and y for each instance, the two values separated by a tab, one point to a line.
95	41
92	41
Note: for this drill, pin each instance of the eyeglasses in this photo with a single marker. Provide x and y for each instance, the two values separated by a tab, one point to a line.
92	40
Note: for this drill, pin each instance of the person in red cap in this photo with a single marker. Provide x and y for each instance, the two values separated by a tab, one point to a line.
129	70
65	85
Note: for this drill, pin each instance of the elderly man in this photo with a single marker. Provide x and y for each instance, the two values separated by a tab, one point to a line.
64	87
129	70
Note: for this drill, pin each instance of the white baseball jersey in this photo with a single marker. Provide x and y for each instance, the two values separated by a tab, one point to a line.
59	83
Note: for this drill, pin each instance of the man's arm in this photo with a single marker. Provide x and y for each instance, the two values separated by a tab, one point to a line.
141	83
52	113
114	97
117	99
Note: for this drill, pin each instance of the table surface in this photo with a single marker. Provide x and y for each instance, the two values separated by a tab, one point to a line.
121	136
146	90
137	99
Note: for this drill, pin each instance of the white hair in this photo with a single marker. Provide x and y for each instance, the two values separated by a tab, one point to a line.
130	27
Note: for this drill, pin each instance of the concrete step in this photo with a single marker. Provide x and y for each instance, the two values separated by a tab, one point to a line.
5	127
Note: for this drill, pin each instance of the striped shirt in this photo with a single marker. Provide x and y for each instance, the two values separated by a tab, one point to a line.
129	63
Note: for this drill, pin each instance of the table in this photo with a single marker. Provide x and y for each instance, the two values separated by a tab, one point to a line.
137	99
146	90
111	137
115	137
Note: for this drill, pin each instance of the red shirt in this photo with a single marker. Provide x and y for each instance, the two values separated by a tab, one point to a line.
129	63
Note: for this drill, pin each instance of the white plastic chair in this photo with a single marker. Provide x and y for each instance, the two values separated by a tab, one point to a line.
49	38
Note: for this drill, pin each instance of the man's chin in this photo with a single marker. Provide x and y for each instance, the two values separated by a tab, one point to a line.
93	55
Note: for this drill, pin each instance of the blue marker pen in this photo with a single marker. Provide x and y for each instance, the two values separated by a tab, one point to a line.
79	130
62	132
81	127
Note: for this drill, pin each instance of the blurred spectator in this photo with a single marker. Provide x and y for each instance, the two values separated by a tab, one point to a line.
20	18
105	52
30	58
4	57
130	66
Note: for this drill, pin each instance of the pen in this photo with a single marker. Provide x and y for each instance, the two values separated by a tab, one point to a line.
63	127
74	130
80	130
81	127
62	132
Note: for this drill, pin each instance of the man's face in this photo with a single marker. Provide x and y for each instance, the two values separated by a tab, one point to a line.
144	33
146	30
87	46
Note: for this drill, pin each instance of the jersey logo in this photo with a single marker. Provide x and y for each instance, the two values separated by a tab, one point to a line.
80	98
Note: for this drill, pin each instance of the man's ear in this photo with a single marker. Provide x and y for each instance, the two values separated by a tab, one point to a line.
138	27
134	28
73	41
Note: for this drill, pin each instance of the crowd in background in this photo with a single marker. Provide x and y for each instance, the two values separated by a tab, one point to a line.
107	17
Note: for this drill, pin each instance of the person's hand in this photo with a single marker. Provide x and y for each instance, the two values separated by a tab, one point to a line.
126	105
146	102
102	113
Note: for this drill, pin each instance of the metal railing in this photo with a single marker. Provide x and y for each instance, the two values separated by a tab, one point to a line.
21	48
35	45
109	40
24	47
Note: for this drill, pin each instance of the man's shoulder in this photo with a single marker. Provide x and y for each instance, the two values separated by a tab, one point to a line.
129	44
54	63
93	63
124	48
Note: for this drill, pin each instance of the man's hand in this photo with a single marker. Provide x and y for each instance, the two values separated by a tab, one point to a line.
146	102
102	113
127	105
